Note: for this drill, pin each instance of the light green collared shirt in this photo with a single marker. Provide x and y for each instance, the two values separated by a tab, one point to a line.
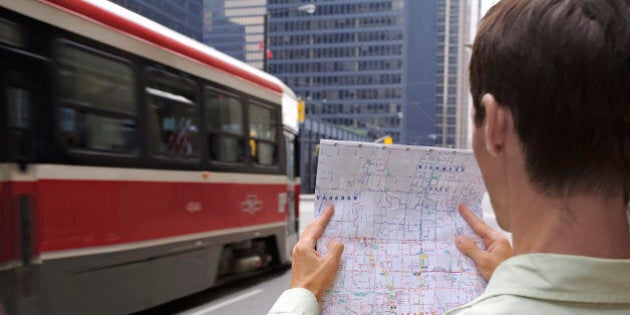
296	301
539	284
547	284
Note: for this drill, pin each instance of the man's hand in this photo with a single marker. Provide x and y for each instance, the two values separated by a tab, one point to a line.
497	250
312	271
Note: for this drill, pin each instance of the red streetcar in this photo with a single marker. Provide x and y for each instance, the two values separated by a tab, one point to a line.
137	165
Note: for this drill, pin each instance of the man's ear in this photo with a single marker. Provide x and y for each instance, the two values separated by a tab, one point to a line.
498	122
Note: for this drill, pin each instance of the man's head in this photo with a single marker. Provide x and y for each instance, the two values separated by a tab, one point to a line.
561	68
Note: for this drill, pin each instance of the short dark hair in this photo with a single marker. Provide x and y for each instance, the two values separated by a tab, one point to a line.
561	67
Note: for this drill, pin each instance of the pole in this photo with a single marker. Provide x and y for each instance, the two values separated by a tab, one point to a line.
265	26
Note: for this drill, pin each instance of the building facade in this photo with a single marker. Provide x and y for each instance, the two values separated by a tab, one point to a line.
452	88
236	27
368	66
182	16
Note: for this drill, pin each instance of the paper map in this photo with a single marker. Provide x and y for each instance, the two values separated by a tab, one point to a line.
396	214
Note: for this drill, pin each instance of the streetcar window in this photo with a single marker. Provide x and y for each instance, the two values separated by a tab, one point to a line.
98	101
84	130
95	81
11	34
19	109
263	132
18	103
224	117
173	117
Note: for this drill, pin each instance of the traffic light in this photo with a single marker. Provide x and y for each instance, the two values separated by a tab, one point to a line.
301	110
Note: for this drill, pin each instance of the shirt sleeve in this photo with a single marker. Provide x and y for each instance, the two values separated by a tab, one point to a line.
296	301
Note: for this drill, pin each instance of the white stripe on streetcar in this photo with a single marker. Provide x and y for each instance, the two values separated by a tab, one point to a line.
10	171
226	303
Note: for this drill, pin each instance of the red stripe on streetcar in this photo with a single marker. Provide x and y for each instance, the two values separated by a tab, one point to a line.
122	24
8	225
77	214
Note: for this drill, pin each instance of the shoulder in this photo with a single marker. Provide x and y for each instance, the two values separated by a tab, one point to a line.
503	304
511	304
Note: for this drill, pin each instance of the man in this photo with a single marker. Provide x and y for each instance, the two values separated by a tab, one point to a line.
550	85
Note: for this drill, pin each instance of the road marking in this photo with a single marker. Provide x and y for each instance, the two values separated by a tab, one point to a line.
225	303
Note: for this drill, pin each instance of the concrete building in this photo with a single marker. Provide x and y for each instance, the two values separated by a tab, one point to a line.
454	38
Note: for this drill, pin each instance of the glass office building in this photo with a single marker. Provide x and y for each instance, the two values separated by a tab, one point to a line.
369	66
236	28
182	16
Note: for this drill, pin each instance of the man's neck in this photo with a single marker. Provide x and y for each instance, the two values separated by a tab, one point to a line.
584	225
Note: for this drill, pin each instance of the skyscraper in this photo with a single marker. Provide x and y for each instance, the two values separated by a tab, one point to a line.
236	28
182	16
452	89
368	66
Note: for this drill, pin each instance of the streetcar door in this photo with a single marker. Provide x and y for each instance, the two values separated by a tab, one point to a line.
18	89
22	76
22	88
